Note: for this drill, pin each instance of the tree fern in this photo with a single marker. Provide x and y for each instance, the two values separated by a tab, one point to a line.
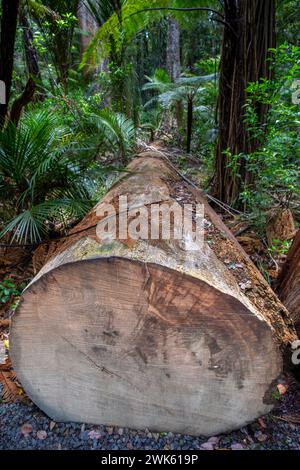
134	17
118	130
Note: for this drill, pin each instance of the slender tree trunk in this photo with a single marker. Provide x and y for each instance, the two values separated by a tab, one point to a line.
30	51
189	124
249	33
9	20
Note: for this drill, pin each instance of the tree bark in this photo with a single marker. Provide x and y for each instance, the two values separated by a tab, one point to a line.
30	51
249	33
289	282
145	333
174	65
9	20
60	39
173	49
88	26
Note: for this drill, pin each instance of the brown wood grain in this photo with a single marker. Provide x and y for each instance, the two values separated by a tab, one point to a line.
140	333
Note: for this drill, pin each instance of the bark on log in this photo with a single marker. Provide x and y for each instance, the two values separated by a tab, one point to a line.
289	282
141	333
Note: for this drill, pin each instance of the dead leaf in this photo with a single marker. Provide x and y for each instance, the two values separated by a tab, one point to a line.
52	425
110	430
4	323
41	435
12	391
26	429
282	389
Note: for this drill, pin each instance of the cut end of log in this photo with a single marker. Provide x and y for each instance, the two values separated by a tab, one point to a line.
142	334
121	342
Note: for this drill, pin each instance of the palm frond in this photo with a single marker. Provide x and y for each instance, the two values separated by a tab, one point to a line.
121	130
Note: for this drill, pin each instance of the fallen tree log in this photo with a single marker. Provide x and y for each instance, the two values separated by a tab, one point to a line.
145	333
289	282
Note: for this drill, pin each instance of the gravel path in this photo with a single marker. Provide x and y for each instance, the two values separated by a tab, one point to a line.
24	426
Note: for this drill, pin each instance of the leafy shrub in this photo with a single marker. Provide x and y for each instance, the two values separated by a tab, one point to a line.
274	167
43	179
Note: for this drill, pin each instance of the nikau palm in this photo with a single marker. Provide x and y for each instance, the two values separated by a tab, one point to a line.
40	176
185	89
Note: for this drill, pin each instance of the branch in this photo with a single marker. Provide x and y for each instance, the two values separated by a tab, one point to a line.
25	98
178	9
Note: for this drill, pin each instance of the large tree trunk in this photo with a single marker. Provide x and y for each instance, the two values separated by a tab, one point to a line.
249	33
174	65
60	39
144	333
289	282
173	49
9	20
30	51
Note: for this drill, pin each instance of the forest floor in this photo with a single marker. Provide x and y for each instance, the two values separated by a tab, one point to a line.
24	426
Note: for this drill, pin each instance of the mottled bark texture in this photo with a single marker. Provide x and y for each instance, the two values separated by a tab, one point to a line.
9	21
249	33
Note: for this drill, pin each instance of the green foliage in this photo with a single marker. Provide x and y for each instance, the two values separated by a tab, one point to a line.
185	89
123	25
42	178
207	66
